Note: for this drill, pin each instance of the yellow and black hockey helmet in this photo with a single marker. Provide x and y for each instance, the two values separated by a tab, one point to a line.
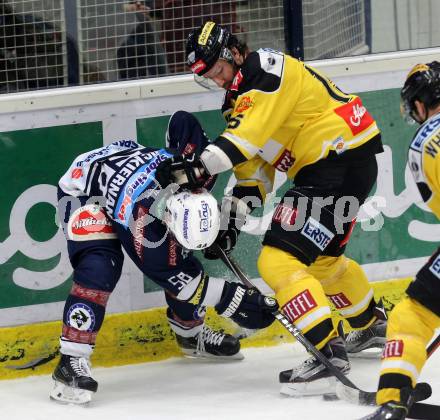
205	45
422	84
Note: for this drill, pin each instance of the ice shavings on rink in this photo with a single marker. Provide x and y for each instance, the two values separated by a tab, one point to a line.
184	389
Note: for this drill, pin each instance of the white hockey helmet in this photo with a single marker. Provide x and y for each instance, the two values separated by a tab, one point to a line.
193	218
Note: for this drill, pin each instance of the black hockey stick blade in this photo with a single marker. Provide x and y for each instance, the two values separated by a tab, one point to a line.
424	411
35	362
422	391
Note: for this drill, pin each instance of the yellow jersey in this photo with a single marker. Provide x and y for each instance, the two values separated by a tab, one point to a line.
284	115
424	162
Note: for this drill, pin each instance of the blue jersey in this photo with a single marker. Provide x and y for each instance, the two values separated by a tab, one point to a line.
121	176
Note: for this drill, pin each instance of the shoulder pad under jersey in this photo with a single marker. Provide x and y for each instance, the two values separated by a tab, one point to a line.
262	70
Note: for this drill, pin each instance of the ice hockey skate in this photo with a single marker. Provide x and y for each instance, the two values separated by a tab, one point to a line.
210	344
369	343
73	381
389	411
311	377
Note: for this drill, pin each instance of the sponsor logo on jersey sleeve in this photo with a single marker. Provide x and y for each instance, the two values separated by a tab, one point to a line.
77	173
317	233
139	230
284	214
284	162
434	268
172	252
89	223
355	115
138	182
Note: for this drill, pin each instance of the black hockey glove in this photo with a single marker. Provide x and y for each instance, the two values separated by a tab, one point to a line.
186	171
226	240
246	306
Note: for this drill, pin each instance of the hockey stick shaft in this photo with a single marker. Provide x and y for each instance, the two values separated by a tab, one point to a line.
422	391
433	346
295	331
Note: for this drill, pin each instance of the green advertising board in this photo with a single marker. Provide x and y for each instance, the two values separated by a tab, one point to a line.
34	267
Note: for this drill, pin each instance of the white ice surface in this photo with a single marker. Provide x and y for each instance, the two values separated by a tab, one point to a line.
188	389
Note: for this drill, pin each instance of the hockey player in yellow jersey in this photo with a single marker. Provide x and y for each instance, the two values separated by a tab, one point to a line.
284	115
413	321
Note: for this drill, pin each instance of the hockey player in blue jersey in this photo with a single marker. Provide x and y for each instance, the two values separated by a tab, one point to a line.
109	199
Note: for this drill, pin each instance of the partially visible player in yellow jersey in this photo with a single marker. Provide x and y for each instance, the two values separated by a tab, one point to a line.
284	115
413	321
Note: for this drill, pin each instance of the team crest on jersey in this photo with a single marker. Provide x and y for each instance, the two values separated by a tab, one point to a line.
339	145
244	104
81	317
89	223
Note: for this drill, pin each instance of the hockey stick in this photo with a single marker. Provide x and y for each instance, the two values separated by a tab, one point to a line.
421	392
295	331
35	362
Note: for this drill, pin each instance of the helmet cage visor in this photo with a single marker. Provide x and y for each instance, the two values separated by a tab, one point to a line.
407	111
207	82
422	84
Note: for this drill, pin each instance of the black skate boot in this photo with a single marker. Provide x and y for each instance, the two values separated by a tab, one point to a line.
73	381
390	411
311	377
210	344
394	410
369	343
198	341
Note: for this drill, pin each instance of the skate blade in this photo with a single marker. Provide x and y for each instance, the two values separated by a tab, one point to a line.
323	386
64	394
373	353
203	356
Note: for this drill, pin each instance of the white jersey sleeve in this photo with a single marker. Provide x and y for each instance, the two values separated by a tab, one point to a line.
77	180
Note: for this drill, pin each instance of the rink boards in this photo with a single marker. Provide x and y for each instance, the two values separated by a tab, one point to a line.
136	337
42	132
